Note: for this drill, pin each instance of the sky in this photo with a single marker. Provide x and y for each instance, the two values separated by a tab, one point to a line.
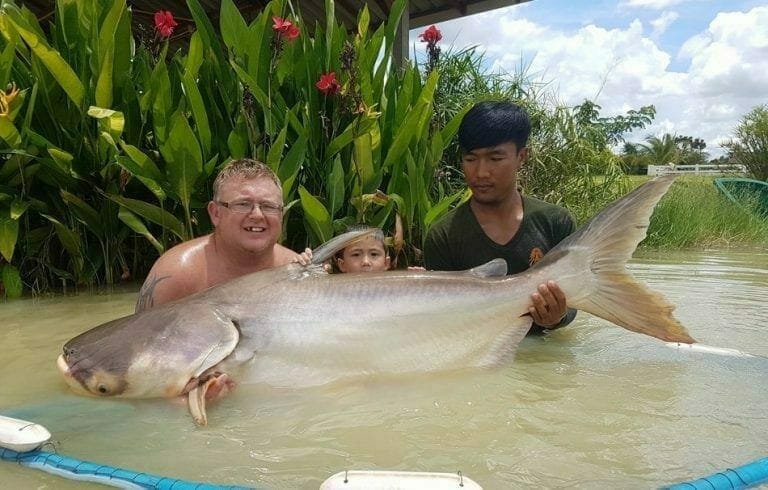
702	63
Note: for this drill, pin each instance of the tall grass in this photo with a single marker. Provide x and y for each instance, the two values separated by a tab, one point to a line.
695	215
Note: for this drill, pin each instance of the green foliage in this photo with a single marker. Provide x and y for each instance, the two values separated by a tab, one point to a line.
110	151
109	143
750	145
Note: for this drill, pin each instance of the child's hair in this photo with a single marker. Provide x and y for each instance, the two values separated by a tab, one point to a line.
493	123
377	235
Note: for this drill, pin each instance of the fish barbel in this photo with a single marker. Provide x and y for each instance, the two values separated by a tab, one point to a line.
298	326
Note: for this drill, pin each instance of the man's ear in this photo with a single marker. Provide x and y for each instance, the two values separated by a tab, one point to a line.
214	213
523	154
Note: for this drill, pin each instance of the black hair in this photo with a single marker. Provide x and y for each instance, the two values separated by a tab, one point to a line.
493	123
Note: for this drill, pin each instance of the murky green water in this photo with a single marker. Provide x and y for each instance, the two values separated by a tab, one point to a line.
592	405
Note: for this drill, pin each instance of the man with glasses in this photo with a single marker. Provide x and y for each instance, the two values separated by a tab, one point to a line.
247	215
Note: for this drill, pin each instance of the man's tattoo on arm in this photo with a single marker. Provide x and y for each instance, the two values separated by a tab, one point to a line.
146	294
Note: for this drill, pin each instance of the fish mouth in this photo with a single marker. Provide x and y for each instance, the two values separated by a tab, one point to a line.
74	383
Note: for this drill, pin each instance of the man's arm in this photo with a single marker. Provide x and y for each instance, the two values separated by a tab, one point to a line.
163	285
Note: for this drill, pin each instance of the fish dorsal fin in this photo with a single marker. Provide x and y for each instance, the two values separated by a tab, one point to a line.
328	249
493	268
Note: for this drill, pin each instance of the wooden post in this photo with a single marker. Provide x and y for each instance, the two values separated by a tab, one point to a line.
400	51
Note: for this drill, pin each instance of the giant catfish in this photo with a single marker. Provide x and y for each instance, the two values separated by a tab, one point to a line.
297	326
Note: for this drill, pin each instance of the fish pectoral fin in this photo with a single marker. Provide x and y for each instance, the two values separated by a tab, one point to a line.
215	386
196	405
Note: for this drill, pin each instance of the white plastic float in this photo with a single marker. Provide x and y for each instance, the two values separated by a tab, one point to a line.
398	480
21	436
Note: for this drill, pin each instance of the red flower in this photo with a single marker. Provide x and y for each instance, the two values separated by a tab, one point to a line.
164	23
431	35
328	84
285	28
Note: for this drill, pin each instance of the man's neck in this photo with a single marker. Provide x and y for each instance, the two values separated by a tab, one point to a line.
240	262
499	221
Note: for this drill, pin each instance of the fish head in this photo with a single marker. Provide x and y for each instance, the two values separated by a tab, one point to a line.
158	353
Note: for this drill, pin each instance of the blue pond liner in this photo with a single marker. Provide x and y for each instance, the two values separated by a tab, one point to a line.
76	469
747	476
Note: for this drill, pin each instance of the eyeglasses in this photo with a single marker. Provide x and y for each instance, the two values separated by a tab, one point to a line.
247	207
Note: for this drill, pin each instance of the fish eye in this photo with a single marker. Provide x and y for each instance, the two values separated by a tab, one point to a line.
102	388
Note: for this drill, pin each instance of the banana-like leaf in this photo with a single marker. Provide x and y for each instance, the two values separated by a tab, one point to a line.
404	135
84	213
184	163
112	122
275	154
9	233
106	54
152	213
290	166
233	28
69	239
139	227
199	113
316	216
9	133
56	65
335	186
9	276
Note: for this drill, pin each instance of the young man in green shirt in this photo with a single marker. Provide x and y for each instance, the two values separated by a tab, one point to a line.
498	221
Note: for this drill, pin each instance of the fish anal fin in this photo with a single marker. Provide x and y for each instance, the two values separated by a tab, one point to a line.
504	347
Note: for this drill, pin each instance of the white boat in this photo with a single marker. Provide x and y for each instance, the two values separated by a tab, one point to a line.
22	436
398	480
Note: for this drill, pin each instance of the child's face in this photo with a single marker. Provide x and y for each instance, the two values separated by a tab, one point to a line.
367	255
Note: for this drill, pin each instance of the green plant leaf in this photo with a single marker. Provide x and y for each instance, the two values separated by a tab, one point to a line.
290	166
9	133
152	213
199	114
58	68
9	233
84	213
18	207
104	85
184	163
139	227
404	135
69	239
233	27
316	216
9	276
336	186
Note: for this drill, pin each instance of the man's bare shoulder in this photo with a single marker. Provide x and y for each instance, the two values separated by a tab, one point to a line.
284	255
179	272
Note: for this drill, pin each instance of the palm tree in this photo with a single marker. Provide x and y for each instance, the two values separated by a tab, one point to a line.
661	151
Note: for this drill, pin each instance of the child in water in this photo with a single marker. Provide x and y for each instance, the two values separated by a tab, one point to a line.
368	254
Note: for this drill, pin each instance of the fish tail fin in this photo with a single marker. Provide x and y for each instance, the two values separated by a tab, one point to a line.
607	242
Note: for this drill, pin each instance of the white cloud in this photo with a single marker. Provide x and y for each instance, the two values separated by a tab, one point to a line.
625	67
652	4
662	23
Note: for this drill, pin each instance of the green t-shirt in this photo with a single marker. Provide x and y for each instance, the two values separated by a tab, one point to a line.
457	241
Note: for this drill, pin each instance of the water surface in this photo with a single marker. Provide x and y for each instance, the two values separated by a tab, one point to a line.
591	405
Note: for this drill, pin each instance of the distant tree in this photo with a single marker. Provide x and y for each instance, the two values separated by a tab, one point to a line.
661	151
610	131
691	150
750	145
